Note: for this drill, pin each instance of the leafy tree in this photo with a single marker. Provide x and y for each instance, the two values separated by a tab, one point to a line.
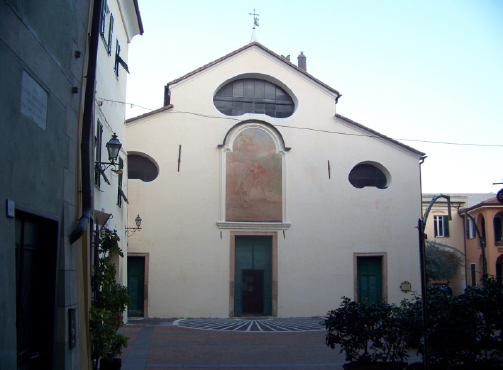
441	261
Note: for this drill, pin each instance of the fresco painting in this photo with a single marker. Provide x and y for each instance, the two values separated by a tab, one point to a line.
254	179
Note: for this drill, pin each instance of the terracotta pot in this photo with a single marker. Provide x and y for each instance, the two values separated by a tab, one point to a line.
110	364
375	366
118	321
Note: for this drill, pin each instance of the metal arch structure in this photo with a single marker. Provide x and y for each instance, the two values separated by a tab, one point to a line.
421	225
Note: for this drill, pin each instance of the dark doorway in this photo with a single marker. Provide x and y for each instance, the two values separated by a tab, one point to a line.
36	257
369	271
253	275
136	282
499	270
252	289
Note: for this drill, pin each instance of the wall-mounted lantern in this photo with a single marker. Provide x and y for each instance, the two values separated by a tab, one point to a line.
113	148
131	230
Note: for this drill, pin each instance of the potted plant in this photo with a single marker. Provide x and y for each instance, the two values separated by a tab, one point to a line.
110	301
370	334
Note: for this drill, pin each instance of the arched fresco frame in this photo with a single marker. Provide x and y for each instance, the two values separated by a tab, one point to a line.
249	200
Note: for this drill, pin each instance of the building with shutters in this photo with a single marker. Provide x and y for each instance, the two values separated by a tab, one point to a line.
48	53
488	218
120	21
258	198
459	234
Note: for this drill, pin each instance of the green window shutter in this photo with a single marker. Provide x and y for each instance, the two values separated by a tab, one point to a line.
446	226
110	34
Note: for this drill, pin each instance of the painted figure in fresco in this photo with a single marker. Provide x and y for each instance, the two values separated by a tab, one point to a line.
241	192
258	177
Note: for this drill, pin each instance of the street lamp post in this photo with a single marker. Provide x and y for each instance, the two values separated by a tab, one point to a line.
422	258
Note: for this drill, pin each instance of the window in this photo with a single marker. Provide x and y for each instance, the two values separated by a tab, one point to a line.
367	175
117	58
120	193
497	230
470	229
103	17
110	34
98	141
253	95
141	168
441	226
483	227
473	274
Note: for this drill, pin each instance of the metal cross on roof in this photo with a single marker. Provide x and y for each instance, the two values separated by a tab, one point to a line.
255	18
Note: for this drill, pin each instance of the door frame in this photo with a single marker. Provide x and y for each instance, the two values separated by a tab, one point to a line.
146	257
384	273
274	283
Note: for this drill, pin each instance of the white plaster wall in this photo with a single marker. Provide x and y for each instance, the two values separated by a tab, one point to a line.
109	110
330	219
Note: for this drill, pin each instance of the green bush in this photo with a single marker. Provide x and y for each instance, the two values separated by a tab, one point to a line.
464	331
369	332
109	304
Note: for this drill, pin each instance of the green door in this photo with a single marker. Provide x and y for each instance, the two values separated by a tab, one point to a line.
253	276
369	271
135	282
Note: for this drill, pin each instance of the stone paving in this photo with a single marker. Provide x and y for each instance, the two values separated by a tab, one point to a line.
156	344
267	343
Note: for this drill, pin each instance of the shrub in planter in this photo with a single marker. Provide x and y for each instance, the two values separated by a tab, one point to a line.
110	302
369	333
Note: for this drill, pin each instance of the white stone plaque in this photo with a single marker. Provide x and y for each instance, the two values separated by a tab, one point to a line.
33	101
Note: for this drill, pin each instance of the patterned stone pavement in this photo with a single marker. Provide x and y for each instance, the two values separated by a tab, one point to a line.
239	344
255	324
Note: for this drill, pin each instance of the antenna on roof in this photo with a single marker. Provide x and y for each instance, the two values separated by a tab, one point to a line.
255	23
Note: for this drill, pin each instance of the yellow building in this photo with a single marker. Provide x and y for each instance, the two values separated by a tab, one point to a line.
487	216
461	235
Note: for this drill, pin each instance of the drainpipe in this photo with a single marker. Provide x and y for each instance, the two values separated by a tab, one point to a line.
87	125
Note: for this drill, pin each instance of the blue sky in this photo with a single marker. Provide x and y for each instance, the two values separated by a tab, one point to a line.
417	70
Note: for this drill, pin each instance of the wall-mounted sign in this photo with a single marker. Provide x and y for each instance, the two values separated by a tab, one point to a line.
406	286
33	101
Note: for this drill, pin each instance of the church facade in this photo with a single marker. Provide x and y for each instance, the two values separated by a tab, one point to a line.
257	198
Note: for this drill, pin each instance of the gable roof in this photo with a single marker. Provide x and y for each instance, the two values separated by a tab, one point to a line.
162	109
375	133
491	202
290	64
248	46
